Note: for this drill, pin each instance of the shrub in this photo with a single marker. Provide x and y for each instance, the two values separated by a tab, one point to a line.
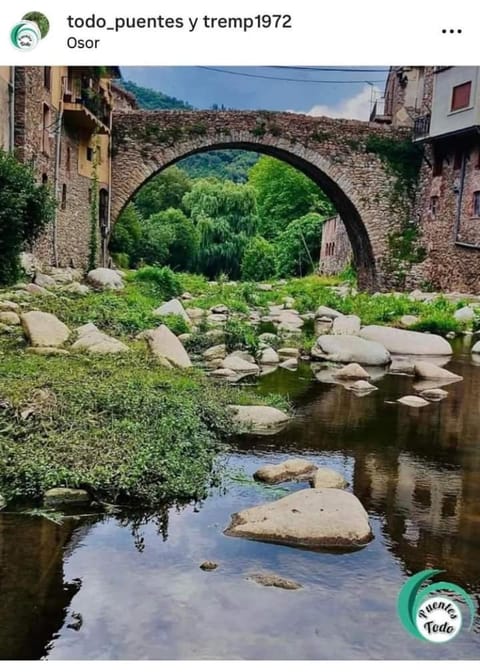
239	335
258	261
163	277
25	210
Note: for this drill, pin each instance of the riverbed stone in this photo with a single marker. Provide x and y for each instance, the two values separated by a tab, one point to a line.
352	371
361	387
346	325
322	325
288	353
413	401
261	420
465	314
56	497
288	470
105	278
224	373
324	477
312	518
164	345
289	364
476	348
400	366
239	364
9	317
215	352
268	356
406	342
348	349
428	371
92	340
275	581
209	565
324	311
172	307
409	320
434	394
44	329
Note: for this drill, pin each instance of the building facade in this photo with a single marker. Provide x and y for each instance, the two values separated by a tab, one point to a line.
63	130
6	107
403	97
336	251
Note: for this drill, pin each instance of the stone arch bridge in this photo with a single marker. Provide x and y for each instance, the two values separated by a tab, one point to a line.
345	158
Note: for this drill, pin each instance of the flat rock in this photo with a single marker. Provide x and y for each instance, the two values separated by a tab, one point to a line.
288	353
9	317
196	314
434	394
9	306
413	401
215	352
239	365
275	581
34	289
352	371
324	311
44	329
465	314
284	471
350	349
48	352
43	280
166	346
346	325
173	307
224	373
428	371
361	387
208	566
269	356
406	342
105	278
65	496
327	478
97	342
313	518
261	420
289	364
402	367
220	310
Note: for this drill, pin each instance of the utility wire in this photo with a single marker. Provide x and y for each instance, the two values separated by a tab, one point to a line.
317	69
292	79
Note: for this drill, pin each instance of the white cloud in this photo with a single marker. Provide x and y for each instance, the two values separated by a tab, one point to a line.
356	107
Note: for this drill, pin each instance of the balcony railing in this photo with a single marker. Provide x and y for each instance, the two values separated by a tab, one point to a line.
421	127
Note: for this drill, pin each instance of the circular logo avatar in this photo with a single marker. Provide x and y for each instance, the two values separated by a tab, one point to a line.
429	614
28	32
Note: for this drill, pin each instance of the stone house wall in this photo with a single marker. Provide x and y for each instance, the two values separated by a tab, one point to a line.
336	251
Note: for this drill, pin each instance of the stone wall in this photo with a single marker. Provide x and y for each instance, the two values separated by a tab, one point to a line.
336	154
336	251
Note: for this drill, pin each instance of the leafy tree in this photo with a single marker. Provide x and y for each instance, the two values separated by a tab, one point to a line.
149	99
298	247
169	237
284	194
127	234
258	262
164	191
225	215
25	210
224	164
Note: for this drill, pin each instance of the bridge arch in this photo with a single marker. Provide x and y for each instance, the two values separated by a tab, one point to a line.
333	153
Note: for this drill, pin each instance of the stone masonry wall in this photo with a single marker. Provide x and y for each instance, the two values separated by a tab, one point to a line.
336	251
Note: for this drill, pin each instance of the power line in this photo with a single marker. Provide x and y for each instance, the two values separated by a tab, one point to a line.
317	69
292	79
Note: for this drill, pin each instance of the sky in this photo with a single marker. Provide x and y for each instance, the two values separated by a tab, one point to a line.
333	95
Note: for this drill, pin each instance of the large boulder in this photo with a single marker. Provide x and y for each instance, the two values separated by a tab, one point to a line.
465	314
315	518
269	356
327	478
240	365
9	317
261	420
173	307
58	497
350	349
215	352
105	278
44	329
324	311
405	342
434	394
166	346
285	471
476	348
97	342
429	371
352	371
346	325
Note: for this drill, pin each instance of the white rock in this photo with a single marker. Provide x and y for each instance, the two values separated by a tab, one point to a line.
409	320
44	329
476	348
465	314
288	353
413	401
402	366
97	342
404	342
173	307
9	306
9	317
429	371
77	288
215	352
352	371
269	356
224	373
434	394
105	278
166	346
289	364
361	387
284	471
239	365
44	281
262	420
324	311
350	349
315	518
328	478
346	325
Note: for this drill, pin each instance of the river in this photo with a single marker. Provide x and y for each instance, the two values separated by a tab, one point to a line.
129	586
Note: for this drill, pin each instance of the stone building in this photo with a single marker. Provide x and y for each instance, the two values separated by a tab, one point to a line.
63	130
6	107
403	96
336	251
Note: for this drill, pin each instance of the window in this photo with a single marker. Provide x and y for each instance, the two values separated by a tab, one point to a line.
64	197
461	96
434	205
44	179
437	165
89	153
457	160
476	203
90	194
47	78
46	130
103	209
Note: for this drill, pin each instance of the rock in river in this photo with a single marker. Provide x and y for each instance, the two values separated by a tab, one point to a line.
65	496
405	342
350	349
413	401
352	371
434	394
346	325
274	580
284	471
261	420
327	478
429	371
239	365
315	518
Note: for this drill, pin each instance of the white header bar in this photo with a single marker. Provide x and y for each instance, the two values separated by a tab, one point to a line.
250	32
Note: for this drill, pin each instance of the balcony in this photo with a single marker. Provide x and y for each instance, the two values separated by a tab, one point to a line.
86	109
421	128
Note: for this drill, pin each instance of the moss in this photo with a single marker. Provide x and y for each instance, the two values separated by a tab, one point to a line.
401	156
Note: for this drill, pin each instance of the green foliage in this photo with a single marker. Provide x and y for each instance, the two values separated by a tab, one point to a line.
298	246
41	21
169	237
225	216
403	158
223	164
405	250
240	335
126	236
165	190
25	210
258	261
149	99
283	195
94	213
165	280
121	260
